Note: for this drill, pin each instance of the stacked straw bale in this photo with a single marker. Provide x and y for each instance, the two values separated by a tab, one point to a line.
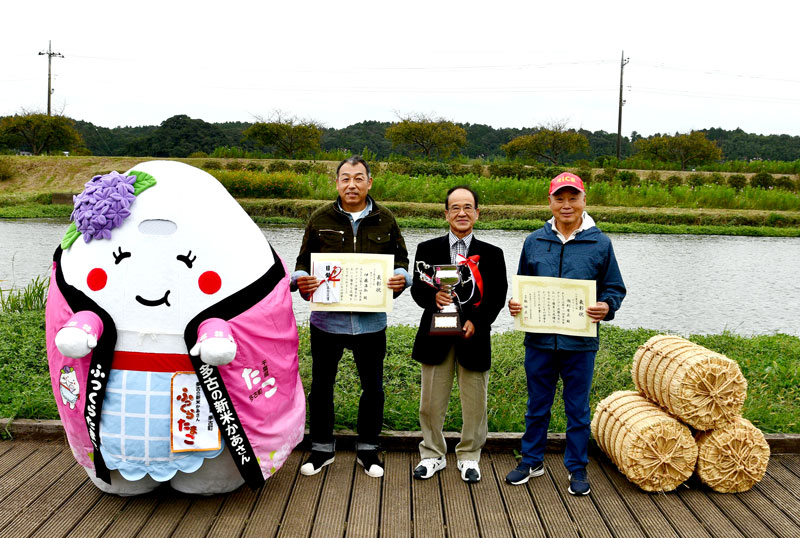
702	388
681	384
733	458
652	449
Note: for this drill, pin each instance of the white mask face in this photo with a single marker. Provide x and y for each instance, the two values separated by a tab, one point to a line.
186	246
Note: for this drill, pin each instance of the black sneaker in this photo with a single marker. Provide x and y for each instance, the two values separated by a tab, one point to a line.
316	462
368	459
523	472
579	482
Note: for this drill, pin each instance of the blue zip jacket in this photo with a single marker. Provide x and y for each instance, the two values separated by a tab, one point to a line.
589	256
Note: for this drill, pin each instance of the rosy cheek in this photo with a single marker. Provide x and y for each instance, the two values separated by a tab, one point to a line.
96	279
209	282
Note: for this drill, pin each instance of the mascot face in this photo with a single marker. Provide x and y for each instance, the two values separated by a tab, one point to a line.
172	256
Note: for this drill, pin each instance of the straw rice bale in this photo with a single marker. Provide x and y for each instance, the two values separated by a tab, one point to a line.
652	449
733	458
704	389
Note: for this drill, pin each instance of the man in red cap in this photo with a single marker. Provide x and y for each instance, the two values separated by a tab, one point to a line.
567	246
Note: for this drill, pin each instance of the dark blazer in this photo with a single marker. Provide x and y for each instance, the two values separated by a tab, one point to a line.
474	353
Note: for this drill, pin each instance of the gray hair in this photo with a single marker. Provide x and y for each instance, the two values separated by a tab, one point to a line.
354	160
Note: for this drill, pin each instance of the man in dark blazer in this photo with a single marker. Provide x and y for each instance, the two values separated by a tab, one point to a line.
468	355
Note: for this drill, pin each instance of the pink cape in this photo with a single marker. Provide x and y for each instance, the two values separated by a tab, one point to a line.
265	332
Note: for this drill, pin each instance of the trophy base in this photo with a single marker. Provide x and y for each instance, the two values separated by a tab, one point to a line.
446	324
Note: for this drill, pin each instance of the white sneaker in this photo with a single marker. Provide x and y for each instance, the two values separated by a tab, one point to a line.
429	467
470	472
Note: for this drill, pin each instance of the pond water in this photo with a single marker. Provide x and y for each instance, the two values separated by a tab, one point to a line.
681	283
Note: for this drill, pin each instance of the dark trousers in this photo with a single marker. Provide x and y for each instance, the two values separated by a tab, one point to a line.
369	349
543	368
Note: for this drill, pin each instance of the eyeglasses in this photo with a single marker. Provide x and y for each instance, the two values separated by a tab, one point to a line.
456	209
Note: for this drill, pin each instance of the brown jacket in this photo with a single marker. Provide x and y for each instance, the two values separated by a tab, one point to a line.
329	230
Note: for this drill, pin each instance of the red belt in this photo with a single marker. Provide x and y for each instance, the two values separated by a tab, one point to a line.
151	362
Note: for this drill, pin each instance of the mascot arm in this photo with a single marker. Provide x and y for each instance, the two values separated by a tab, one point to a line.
79	334
215	344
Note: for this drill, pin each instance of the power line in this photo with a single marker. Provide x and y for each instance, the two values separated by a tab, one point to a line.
721	96
715	72
368	89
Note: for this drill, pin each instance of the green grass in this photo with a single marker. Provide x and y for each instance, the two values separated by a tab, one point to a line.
771	365
35	211
27	392
609	227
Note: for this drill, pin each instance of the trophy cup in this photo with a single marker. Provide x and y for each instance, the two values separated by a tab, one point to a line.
447	322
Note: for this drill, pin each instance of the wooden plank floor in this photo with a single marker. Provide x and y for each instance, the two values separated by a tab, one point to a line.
43	492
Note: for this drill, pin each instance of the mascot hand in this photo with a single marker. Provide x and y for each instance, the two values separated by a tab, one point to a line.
74	343
215	351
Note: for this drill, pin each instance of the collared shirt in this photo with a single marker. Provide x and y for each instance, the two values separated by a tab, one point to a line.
587	223
459	246
350	322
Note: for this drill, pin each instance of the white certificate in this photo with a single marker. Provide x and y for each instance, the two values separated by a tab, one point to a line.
554	305
354	282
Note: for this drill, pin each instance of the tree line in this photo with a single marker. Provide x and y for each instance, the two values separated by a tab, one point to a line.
413	136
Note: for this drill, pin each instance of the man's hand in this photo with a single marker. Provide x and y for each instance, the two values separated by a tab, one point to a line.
514	307
396	283
469	330
598	311
307	285
443	299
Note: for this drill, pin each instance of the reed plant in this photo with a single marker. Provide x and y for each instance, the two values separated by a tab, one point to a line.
31	297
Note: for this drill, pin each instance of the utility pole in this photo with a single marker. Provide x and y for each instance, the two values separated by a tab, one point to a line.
50	54
623	62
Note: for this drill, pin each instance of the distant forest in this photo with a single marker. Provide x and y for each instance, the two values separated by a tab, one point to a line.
179	136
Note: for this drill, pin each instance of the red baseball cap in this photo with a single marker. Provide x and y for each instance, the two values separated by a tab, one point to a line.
566	180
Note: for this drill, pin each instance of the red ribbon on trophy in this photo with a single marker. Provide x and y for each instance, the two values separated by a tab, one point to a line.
472	264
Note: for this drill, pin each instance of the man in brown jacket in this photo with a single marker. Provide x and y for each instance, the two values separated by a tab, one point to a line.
354	222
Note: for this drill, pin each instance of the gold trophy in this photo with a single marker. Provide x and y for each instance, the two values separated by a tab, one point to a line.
447	322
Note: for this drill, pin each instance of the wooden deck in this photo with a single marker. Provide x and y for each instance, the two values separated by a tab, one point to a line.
43	492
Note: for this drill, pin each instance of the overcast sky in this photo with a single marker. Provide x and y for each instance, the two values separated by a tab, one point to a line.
693	64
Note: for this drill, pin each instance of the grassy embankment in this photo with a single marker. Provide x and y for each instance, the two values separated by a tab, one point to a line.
770	364
287	198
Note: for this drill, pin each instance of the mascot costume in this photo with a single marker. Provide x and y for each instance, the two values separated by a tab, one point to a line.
170	336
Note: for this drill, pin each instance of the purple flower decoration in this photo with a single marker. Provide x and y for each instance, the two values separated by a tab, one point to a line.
103	205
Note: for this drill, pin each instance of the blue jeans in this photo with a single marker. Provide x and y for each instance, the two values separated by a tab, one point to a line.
542	369
369	350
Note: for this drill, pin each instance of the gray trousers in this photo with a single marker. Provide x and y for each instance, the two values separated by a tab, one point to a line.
437	383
